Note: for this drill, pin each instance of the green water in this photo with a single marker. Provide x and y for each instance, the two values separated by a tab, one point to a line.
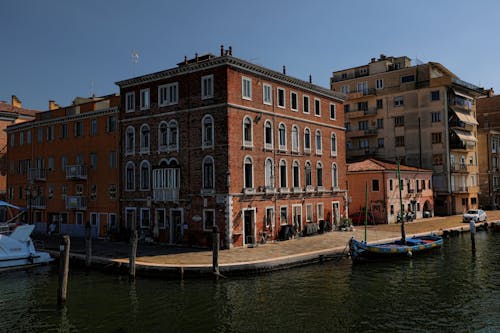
452	290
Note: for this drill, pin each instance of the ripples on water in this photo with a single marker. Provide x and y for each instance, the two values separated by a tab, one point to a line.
449	291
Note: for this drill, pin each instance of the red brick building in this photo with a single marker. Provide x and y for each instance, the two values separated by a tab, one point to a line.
219	140
63	166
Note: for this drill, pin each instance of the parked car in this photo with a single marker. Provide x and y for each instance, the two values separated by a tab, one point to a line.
476	215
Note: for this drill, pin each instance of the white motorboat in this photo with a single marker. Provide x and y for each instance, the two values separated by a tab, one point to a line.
17	249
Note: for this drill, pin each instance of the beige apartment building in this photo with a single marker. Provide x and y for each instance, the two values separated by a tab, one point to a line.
422	115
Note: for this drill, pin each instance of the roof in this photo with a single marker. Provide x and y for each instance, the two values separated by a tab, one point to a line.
372	164
6	107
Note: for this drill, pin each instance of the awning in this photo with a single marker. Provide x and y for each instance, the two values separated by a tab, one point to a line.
462	95
6	204
464	117
464	135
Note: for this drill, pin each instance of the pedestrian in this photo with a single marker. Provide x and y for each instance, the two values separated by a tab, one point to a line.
52	228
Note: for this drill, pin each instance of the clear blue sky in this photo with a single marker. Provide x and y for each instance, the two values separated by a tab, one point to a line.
60	49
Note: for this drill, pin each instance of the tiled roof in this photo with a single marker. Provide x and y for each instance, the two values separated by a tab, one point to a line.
6	107
372	164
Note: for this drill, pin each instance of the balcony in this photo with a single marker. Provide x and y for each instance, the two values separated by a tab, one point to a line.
270	190
37	174
166	195
38	202
76	202
361	113
309	189
459	189
76	172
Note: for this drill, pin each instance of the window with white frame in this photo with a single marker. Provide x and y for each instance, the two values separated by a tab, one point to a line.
269	173
333	142
269	218
173	136
283	174
333	111
168	94
130	176
207	87
208	175
130	101
305	104
295	139
145	99
79	218
308	173
309	213
166	178
161	217
28	137
281	97
145	141
379	83
208	219
247	132
93	127
163	136
207	131
319	145
246	88
294	103
248	172
145	218
268	134
145	176
282	136
283	215
267	95
320	211
335	180
307	140
296	174
317	107
130	140
319	174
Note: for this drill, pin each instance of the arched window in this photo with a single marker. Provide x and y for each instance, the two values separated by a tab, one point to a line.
163	136
335	180
248	172
283	180
207	131
269	173
307	140
247	132
130	140
296	174
145	176
130	176
145	138
268	134
173	135
295	139
282	137
334	144
208	173
319	146
319	174
308	173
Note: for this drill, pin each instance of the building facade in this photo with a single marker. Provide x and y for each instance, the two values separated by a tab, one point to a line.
221	141
63	166
384	200
422	115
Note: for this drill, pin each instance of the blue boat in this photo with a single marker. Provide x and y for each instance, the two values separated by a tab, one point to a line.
359	250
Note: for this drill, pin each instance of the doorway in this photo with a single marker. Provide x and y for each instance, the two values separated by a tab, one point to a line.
249	226
177	230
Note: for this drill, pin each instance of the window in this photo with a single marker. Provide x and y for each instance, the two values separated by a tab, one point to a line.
208	173
247	132
293	101
363	144
380	123
309	213
319	174
437	160
333	141
208	219
163	136
28	137
283	178
130	140
295	139
400	141
248	172
161	218
435	95
319	145
172	136
93	160
12	140
345	89
362	106
407	78
168	94
335	179
267	94
379	83
268	135
39	136
281	97
305	104
144	99
317	107
347	127
347	108
50	163
308	173
380	103
93	127
64	162
296	174
246	88
112	159
130	176
380	142
375	185
363	125
283	215
320	212
436	137
78	129
398	101
145	176
391	185
50	133
435	117
207	131
269	219
93	192
399	121
282	136
207	87
307	140
145	218
130	102
269	173
333	112
362	87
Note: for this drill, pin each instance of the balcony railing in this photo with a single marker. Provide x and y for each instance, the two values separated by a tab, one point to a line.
38	202
78	172
37	174
76	202
166	195
460	189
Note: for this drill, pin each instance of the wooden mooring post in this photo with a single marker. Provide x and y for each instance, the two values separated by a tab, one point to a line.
88	245
63	270
472	226
215	250
133	253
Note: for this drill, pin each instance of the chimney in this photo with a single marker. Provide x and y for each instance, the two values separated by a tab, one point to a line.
231	51
53	105
310	78
185	60
373	59
196	57
222	50
16	102
284	69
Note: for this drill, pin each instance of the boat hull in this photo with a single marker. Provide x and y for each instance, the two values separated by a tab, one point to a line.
38	258
361	250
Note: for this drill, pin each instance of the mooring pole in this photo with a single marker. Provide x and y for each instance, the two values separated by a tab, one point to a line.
63	270
472	226
133	254
215	250
88	245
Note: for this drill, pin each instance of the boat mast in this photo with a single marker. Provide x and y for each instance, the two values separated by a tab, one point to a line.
401	212
366	206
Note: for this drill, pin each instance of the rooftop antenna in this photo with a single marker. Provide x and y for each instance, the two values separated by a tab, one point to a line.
92	92
135	60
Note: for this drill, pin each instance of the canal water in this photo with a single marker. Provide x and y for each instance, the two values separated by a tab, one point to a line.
452	290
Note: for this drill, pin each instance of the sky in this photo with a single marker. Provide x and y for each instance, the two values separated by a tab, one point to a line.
60	49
